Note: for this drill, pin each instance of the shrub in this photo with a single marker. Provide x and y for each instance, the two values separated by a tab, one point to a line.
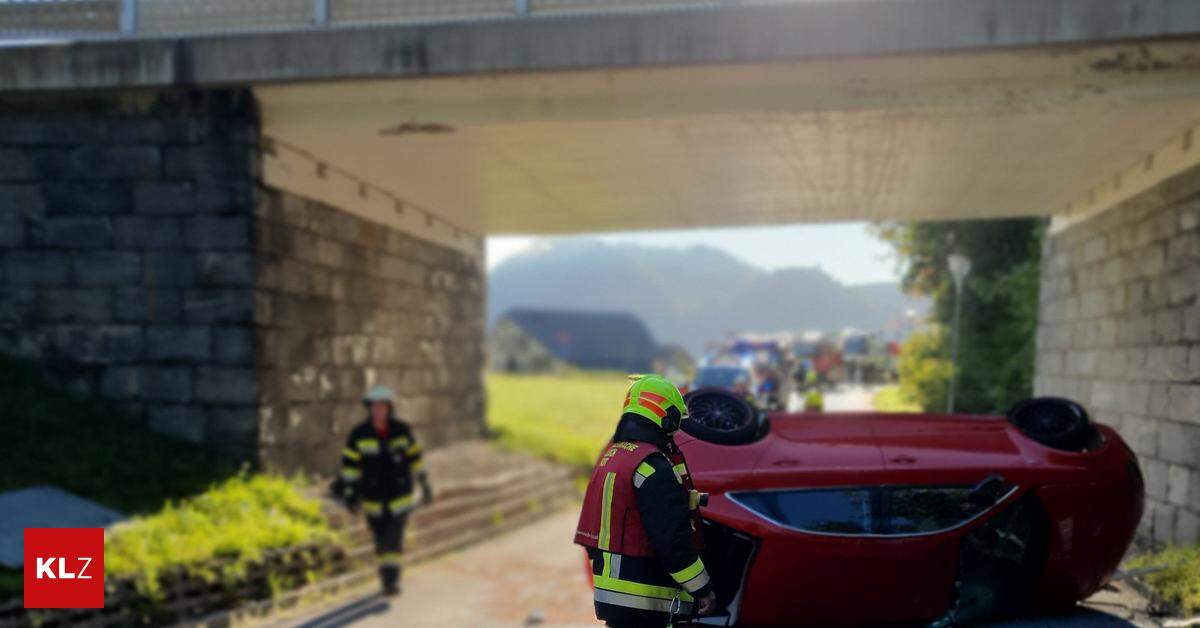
925	370
1178	585
892	399
237	521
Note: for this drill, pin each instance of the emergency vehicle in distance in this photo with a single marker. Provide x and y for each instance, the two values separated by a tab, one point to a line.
935	519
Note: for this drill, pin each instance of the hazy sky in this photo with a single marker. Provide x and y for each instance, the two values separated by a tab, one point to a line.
844	250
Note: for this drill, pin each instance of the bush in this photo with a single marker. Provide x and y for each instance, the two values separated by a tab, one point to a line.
236	521
1178	585
893	399
925	369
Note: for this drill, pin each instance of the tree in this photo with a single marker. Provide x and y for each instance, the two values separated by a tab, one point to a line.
999	309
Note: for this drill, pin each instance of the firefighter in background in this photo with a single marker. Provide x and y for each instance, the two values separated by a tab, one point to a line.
640	523
379	464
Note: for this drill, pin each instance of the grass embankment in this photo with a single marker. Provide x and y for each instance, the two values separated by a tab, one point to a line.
53	438
193	507
1178	585
567	418
892	399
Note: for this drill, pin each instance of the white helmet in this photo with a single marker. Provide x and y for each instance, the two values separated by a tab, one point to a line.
379	393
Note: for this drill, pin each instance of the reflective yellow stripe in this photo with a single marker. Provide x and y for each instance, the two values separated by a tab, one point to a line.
680	470
418	465
609	583
351	474
414	450
373	508
606	511
689	572
368	446
398	442
397	504
645	469
351	454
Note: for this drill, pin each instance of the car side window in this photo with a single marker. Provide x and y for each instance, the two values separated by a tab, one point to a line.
836	511
875	511
914	510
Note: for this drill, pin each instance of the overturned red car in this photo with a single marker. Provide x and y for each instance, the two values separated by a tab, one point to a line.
875	519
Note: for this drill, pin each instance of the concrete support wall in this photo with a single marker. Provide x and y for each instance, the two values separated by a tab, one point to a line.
1119	331
144	263
342	304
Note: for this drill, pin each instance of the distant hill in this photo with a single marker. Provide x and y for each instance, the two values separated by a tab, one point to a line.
689	296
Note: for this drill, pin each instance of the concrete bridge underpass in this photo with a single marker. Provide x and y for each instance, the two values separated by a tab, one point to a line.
230	224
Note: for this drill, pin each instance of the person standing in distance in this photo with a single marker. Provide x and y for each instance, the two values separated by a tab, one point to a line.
381	463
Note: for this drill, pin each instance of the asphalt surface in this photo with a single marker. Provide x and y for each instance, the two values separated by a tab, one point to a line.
535	576
844	398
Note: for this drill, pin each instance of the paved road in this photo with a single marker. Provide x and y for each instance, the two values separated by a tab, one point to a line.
535	576
534	573
844	398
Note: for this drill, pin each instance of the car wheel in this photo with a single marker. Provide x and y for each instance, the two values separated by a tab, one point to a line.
1053	422
719	416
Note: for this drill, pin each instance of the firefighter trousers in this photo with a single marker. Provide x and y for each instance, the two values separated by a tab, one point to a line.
387	530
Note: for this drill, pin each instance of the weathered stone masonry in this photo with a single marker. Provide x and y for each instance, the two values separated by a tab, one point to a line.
341	304
1119	331
144	263
125	246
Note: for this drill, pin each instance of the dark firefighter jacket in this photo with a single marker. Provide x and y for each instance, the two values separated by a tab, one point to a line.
378	470
662	503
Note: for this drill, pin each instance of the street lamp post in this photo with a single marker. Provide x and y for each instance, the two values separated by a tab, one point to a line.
960	266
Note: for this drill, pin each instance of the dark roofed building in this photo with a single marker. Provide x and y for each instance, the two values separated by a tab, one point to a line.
528	339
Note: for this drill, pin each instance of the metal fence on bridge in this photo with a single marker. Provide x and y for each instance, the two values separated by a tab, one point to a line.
27	19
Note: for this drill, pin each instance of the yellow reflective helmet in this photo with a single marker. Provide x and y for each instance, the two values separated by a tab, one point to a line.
653	396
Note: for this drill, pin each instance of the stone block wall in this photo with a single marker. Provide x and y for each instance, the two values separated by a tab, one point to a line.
125	259
1119	331
144	262
342	304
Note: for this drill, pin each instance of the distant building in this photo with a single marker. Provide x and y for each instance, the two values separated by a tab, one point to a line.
540	340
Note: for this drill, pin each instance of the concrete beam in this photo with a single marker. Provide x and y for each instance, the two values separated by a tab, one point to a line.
733	34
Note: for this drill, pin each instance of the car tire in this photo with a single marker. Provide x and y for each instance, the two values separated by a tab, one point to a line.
1056	423
721	417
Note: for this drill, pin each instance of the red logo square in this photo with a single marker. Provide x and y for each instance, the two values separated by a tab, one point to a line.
64	567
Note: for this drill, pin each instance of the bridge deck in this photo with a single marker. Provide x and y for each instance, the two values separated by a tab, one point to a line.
701	115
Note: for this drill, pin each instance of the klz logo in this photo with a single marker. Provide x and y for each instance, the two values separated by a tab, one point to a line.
64	568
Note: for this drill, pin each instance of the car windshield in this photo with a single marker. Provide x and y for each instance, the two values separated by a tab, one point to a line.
722	376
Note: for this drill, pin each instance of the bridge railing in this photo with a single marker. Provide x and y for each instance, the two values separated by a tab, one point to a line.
27	19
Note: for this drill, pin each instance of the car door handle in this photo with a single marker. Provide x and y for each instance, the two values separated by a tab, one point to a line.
903	459
786	462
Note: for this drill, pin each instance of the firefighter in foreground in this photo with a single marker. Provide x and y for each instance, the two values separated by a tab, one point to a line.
640	522
379	464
